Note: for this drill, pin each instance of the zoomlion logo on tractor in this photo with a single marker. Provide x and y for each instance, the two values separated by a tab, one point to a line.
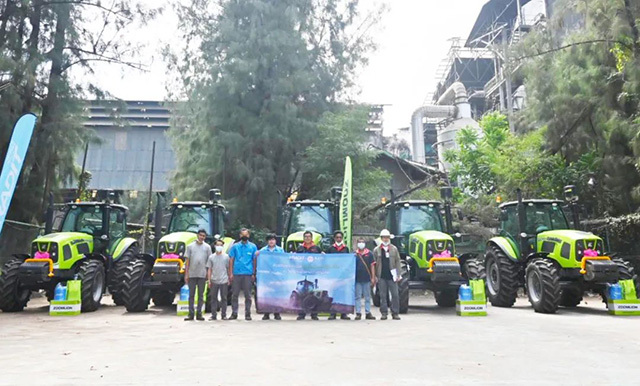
15	162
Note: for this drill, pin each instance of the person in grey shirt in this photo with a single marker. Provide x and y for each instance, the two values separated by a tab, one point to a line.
218	278
196	272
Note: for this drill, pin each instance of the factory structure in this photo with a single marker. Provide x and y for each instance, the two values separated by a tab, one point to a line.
475	77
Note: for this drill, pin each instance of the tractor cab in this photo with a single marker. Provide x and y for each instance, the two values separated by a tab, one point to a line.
306	286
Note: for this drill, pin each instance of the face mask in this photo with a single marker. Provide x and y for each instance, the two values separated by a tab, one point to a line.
219	248
244	238
360	245
386	243
339	242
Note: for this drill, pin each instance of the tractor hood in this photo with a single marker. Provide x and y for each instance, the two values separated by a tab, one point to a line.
63	237
185	237
430	235
569	236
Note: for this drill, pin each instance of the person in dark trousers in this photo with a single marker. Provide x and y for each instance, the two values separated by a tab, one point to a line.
365	277
242	268
195	276
388	274
338	246
218	278
270	248
308	246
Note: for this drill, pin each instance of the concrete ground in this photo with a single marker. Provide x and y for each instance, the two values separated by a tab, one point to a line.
428	346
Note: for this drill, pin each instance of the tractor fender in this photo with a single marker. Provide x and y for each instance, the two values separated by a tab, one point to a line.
505	246
122	246
148	258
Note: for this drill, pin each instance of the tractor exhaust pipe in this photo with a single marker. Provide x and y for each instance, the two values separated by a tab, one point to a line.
48	219
522	223
572	198
446	194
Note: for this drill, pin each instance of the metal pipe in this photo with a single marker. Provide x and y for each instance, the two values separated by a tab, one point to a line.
146	220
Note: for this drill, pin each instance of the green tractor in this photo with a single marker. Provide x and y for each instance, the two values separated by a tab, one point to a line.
91	245
428	250
537	250
308	297
319	217
161	276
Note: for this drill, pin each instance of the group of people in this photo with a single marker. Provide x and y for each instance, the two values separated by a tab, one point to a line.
203	265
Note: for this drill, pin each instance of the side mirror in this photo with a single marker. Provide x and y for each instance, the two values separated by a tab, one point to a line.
150	217
225	216
119	217
460	215
503	216
381	215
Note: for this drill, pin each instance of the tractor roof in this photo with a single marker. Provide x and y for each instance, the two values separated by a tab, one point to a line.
97	203
532	201
309	203
415	203
196	203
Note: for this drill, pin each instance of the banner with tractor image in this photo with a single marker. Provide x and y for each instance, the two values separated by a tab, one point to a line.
311	283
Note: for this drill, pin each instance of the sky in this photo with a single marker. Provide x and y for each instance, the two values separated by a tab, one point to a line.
413	39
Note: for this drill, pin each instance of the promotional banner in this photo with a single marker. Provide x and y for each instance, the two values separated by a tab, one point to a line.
345	204
12	166
306	282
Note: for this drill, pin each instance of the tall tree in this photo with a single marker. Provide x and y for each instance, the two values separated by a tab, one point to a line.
258	75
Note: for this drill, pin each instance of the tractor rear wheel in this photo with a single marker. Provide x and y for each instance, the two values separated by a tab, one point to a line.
502	278
474	270
92	276
543	285
571	296
13	297
627	272
447	297
135	296
116	274
163	298
403	289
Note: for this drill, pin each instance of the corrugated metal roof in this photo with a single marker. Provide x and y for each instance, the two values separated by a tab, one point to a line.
122	159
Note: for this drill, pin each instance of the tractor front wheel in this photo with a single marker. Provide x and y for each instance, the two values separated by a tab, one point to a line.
447	297
502	278
116	275
135	296
474	270
627	272
163	298
13	297
543	285
92	276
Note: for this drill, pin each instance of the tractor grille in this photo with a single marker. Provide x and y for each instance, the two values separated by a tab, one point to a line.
172	247
45	246
435	247
582	245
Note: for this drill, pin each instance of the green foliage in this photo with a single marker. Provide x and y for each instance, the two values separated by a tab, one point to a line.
342	134
587	94
258	81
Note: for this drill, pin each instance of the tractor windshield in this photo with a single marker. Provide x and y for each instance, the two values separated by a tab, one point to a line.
544	217
414	218
85	219
190	219
313	218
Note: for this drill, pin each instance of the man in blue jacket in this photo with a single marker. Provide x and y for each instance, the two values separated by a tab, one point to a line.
270	248
242	265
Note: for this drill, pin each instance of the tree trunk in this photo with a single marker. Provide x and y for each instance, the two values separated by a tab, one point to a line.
32	51
7	12
634	27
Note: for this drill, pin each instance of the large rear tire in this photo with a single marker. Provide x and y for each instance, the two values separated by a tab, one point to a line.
474	270
502	278
626	271
543	285
13	297
92	275
116	274
163	298
135	296
447	298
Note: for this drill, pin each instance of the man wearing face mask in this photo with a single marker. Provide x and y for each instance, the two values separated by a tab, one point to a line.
388	274
270	248
218	278
242	273
338	247
308	246
365	278
195	275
